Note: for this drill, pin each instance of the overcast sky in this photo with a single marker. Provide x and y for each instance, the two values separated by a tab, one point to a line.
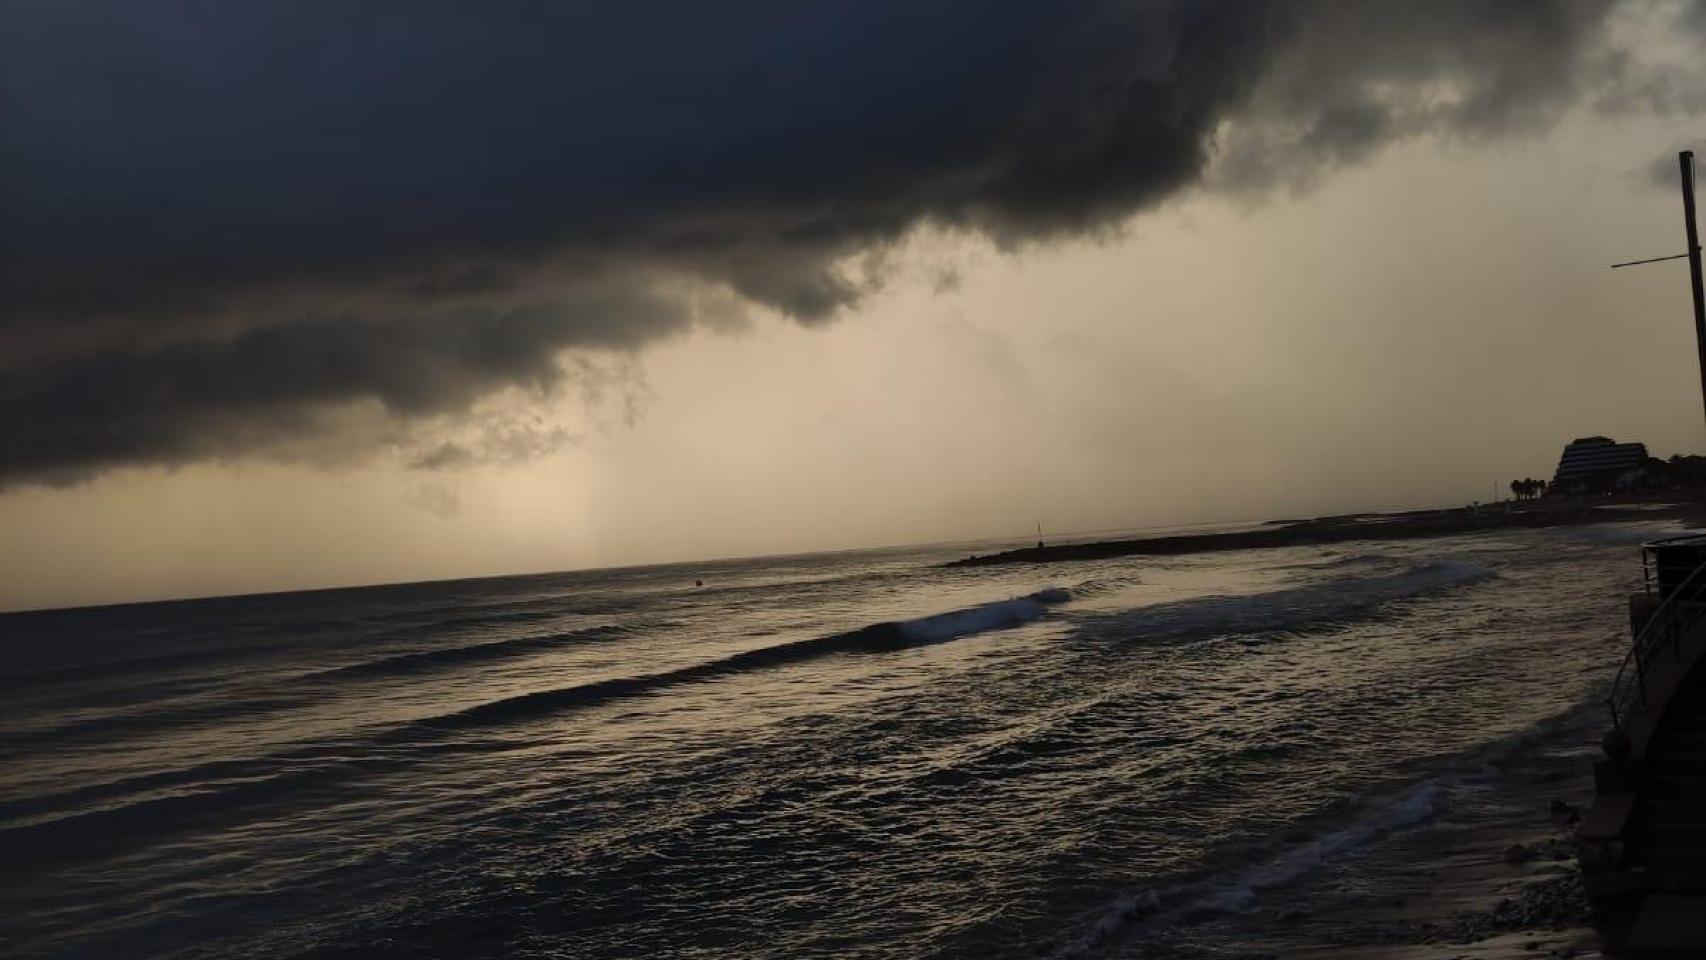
304	294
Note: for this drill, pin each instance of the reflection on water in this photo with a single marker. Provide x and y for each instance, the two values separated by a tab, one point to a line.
801	756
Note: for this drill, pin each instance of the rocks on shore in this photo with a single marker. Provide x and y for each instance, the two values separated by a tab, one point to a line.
1556	903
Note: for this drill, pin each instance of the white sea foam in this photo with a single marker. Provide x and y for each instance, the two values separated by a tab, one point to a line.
1292	608
1238	892
989	616
1406	809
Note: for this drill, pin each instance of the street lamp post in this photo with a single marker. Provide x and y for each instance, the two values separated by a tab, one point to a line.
1685	160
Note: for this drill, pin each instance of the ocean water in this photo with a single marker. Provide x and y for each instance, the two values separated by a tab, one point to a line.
846	755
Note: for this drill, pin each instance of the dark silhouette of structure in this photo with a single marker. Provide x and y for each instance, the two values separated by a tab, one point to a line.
1686	160
1643	845
1691	231
1598	465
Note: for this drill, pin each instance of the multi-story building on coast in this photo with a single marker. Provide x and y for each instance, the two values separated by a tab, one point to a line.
1598	465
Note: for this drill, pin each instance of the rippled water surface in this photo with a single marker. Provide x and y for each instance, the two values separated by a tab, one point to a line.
860	754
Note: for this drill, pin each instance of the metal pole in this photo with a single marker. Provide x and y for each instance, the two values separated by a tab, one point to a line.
1686	160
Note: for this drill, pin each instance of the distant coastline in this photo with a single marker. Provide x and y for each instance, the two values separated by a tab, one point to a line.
1367	526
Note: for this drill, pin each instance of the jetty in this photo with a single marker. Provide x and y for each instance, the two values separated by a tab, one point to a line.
1360	526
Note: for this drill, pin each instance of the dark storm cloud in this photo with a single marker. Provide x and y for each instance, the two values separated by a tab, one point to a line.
224	220
200	398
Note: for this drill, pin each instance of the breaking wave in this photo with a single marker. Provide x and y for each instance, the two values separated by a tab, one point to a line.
893	635
1290	609
1237	890
170	798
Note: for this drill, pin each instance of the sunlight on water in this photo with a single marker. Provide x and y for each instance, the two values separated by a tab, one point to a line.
854	753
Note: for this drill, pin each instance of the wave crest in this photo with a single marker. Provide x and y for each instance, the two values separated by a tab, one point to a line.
1290	609
893	635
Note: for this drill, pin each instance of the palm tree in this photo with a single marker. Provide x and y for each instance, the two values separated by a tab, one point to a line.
1527	488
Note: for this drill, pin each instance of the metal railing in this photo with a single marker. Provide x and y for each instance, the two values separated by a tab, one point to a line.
1649	565
1679	610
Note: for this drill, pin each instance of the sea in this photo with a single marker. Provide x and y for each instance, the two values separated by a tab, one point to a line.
860	754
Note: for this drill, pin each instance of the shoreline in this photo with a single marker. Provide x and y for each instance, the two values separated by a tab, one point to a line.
1418	524
1491	875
